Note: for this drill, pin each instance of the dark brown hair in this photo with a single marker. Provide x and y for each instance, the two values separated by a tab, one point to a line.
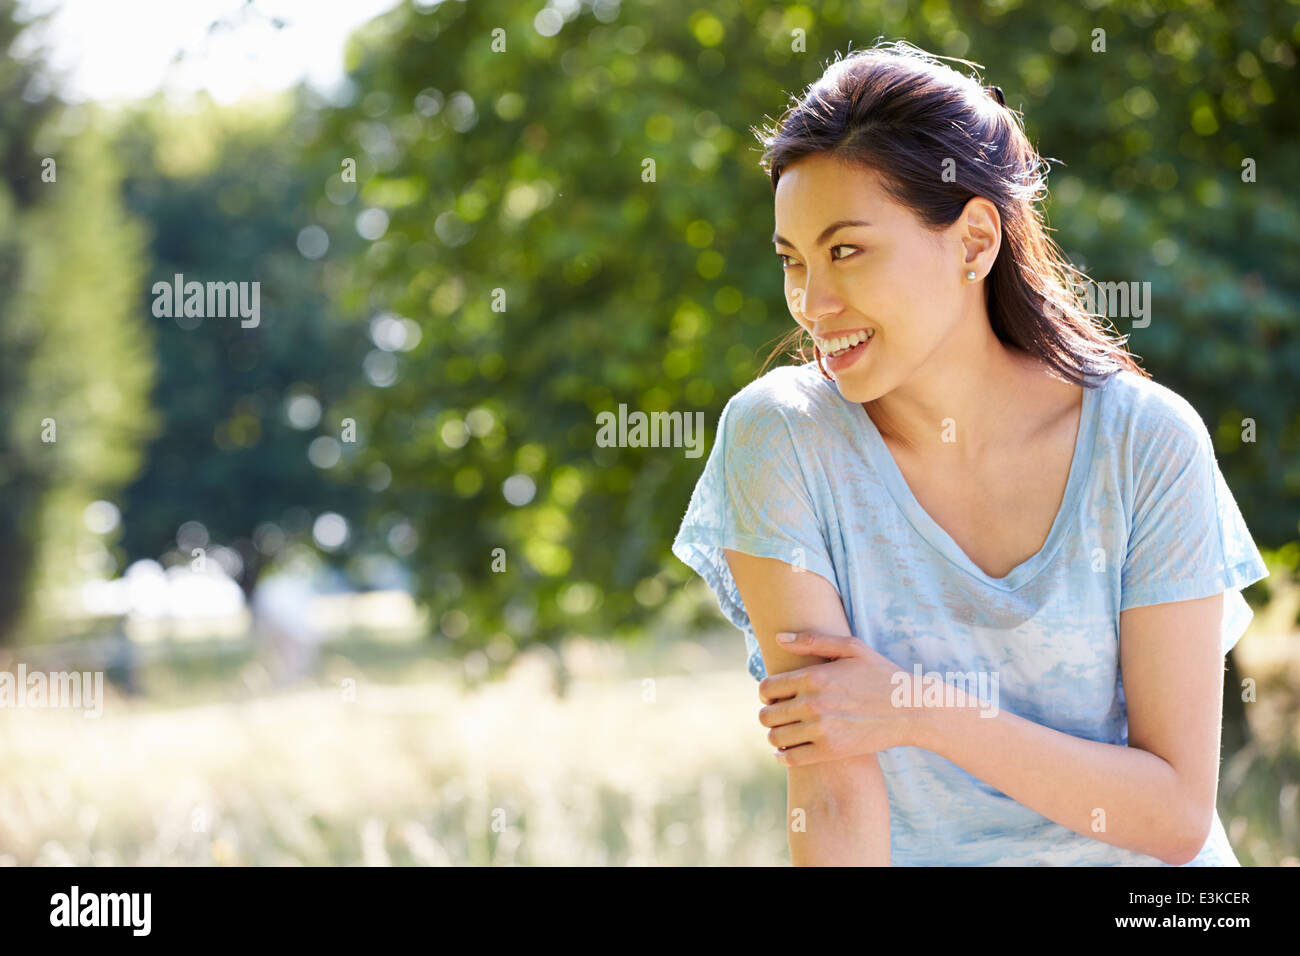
901	112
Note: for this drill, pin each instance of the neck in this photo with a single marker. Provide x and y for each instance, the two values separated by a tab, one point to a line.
962	401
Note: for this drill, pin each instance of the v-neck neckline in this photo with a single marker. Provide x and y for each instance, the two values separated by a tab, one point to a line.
882	459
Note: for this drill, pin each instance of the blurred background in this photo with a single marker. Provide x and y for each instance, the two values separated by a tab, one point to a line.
362	584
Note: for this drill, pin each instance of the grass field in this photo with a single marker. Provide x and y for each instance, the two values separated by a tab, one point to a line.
422	765
418	768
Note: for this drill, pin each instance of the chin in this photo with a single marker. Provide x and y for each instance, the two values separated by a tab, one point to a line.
859	388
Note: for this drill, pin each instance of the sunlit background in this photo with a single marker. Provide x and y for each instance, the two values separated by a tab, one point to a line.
362	584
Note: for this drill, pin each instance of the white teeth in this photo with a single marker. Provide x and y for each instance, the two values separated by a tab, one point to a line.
833	347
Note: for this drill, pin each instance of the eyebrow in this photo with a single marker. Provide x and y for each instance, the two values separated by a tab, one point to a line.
826	233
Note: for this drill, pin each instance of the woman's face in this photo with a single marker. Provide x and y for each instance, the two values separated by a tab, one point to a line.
894	279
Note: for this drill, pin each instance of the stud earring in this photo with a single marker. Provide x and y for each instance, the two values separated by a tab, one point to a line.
970	277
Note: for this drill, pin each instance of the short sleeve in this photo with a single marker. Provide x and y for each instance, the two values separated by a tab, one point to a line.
753	497
1187	538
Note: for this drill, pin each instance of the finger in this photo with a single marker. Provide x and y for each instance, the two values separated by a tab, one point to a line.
823	645
789	735
802	755
778	687
783	712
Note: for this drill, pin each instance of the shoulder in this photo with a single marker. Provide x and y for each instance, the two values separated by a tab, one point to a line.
792	394
1147	415
1156	440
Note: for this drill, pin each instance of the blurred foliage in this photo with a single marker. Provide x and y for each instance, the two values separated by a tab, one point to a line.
225	193
72	417
514	179
541	233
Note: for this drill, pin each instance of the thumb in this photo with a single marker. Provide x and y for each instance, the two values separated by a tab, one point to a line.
822	645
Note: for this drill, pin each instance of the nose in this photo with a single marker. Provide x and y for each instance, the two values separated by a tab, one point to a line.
816	303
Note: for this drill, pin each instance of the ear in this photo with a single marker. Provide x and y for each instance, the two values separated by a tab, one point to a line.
979	230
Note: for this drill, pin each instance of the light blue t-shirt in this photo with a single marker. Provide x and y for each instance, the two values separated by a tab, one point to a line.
799	473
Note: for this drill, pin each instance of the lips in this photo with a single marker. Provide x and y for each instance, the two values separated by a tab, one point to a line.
850	356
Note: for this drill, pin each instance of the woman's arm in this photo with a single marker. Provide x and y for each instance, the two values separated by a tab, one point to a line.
845	808
1156	795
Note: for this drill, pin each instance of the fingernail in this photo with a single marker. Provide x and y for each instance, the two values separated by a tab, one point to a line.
785	637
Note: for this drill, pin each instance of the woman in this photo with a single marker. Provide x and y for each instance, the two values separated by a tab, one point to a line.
1010	557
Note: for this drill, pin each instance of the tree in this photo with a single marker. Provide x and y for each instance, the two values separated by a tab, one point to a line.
227	195
573	213
75	365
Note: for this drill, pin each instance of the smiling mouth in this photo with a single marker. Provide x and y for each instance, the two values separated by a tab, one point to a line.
840	344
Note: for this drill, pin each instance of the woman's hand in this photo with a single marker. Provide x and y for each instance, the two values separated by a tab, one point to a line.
840	708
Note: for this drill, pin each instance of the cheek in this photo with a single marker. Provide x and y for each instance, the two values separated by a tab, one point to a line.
916	296
793	297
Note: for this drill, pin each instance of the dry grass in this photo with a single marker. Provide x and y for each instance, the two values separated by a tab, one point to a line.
616	772
426	767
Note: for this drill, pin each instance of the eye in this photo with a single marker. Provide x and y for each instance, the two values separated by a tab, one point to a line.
786	264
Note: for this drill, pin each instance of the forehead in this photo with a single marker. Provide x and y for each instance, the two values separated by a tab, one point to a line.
818	188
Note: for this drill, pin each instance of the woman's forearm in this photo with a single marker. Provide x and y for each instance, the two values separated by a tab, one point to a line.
1119	795
838	813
